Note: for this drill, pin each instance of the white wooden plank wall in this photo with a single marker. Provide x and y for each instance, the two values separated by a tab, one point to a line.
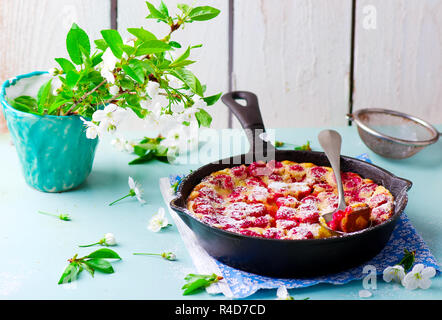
398	56
294	54
212	59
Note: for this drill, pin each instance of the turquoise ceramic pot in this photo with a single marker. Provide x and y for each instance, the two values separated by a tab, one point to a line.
54	152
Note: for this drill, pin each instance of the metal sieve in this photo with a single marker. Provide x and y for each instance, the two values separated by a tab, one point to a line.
393	134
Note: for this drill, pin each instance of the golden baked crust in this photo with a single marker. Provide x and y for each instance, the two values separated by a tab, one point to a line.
284	200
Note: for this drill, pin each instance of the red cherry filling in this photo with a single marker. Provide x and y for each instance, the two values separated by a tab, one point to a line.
258	169
318	172
297	167
335	223
223	181
239	172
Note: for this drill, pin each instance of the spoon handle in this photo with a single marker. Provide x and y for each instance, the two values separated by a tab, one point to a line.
330	141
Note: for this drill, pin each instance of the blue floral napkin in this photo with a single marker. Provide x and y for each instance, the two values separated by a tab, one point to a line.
243	284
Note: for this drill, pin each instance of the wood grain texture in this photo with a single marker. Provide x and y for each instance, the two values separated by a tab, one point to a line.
212	59
33	33
295	55
398	65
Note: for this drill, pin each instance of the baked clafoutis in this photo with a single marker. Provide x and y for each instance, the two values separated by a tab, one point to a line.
284	200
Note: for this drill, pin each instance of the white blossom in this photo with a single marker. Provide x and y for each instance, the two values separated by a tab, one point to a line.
119	144
109	117
92	130
135	189
107	66
145	103
108	75
419	277
129	146
199	103
53	71
158	221
175	83
122	144
113	90
152	89
283	294
395	273
169	256
109	239
55	85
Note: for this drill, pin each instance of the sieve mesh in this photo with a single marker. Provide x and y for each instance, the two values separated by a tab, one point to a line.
396	126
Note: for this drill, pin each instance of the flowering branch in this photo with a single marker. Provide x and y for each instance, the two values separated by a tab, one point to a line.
95	261
145	75
83	97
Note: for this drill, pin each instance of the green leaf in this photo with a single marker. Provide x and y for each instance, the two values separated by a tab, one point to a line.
163	9
211	100
70	274
304	147
194	286
127	84
152	46
189	79
139	151
143	159
136	74
65	64
101	44
408	259
88	269
204	119
142	34
128	49
72	78
76	40
104	253
203	13
54	106
114	40
154	13
196	282
161	151
147	66
175	44
182	64
100	265
43	96
96	59
28	101
182	57
132	99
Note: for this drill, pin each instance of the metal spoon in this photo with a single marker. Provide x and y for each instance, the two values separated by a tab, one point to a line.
330	142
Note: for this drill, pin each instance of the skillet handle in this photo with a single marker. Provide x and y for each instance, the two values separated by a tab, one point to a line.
249	115
251	120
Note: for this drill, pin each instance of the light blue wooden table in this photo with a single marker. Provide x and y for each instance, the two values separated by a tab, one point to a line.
34	248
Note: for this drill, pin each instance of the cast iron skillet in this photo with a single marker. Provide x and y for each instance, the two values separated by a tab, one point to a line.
288	258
